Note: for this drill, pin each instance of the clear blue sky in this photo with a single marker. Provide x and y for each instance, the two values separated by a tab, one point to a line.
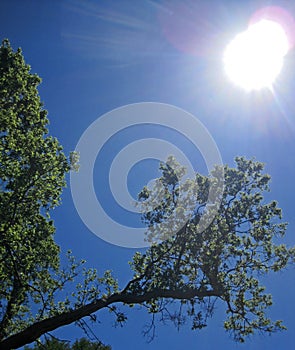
94	56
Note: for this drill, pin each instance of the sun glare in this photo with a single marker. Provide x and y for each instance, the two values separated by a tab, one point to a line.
254	58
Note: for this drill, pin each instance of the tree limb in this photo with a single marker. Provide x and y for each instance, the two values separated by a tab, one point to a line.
37	329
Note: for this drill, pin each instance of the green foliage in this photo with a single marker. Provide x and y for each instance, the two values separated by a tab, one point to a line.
32	175
81	344
224	261
169	203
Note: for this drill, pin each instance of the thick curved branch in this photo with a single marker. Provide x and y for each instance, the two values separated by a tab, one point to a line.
37	329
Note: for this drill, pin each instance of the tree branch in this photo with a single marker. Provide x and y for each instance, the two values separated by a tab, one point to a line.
37	329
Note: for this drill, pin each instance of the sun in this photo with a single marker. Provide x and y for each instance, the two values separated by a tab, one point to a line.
254	58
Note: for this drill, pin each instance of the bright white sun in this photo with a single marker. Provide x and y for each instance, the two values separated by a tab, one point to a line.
254	58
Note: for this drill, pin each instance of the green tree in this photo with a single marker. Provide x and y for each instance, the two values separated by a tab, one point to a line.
188	269
81	344
32	175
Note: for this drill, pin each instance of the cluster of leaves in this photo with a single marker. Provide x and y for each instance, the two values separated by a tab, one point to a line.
170	201
81	344
222	262
32	175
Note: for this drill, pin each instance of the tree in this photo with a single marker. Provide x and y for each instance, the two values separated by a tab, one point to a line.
181	276
81	344
32	175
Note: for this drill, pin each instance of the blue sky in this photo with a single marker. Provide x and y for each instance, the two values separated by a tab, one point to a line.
95	56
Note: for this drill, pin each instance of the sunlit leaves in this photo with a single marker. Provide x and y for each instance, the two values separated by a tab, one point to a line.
32	176
225	259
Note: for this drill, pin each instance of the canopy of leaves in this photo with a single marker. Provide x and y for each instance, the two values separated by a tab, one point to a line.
32	175
81	344
222	262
